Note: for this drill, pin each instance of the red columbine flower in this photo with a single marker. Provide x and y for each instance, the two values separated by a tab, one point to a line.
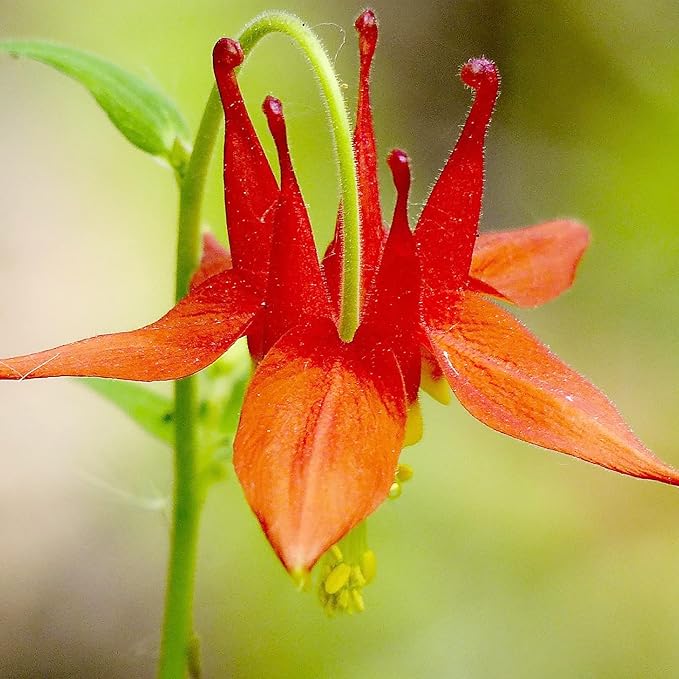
323	420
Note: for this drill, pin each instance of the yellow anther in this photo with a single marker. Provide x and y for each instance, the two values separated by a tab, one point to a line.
414	426
343	599
343	571
357	579
323	597
395	490
436	387
368	565
404	473
337	578
357	600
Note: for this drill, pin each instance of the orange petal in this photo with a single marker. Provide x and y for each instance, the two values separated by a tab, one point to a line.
529	266
215	259
188	338
507	379
319	438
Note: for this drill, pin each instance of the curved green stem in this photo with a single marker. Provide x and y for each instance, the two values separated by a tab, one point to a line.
178	644
295	28
281	22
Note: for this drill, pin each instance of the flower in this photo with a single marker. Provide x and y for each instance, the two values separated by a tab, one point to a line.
324	420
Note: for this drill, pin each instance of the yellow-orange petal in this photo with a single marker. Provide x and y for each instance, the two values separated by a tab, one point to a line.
195	333
319	438
510	381
529	266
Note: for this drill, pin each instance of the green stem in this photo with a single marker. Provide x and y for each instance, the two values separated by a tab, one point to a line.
281	22
177	628
177	636
192	188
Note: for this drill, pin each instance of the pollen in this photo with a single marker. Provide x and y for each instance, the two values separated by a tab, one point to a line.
343	573
337	579
403	474
414	425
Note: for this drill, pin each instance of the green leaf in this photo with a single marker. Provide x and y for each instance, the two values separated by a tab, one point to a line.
151	411
146	116
223	387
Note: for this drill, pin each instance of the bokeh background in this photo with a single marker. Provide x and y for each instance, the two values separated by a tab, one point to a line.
500	559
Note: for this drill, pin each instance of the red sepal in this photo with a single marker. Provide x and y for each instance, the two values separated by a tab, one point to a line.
296	287
392	311
365	152
187	339
528	266
319	438
511	382
250	189
448	225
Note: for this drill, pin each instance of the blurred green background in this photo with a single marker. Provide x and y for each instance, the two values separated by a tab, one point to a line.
500	559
